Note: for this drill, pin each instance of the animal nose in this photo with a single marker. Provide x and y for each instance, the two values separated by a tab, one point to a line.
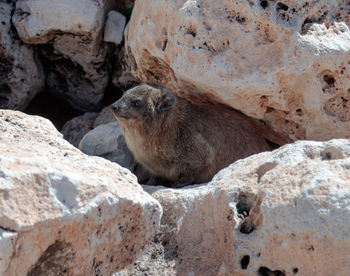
115	107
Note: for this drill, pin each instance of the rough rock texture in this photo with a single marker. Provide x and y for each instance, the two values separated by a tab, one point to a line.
285	212
21	74
76	59
62	212
114	28
285	62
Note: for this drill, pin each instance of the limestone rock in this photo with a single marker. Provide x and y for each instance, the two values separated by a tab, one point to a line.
21	73
62	212
114	28
285	212
284	62
77	60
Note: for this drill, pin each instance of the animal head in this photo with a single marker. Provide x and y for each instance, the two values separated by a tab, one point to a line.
143	104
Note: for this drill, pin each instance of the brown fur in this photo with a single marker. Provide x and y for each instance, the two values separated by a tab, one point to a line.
179	141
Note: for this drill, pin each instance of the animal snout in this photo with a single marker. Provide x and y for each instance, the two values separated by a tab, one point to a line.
115	107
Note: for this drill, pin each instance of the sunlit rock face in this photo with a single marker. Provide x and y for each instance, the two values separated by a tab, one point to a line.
284	62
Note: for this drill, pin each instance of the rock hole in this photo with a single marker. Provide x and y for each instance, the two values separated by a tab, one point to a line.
264	4
326	155
241	20
165	43
295	270
248	208
245	261
265	271
269	109
191	31
299	112
56	259
329	80
280	6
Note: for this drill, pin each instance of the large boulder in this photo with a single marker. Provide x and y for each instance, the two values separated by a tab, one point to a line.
285	212
284	62
70	34
63	212
21	73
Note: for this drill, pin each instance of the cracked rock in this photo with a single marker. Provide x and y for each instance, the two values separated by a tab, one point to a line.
63	212
284	62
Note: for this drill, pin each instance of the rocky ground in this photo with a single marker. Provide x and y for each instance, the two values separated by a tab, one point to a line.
70	203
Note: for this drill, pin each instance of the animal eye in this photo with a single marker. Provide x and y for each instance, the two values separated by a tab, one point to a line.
136	103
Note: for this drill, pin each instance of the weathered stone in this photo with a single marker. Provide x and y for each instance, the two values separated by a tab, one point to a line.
284	212
114	28
74	130
284	62
21	74
62	212
77	60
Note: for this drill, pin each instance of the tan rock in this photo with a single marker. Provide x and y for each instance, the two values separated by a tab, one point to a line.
285	212
62	212
286	63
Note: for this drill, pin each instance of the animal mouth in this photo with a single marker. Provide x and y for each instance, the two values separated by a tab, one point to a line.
120	115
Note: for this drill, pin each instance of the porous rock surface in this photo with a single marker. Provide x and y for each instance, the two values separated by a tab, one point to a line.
62	212
285	212
285	62
21	73
70	35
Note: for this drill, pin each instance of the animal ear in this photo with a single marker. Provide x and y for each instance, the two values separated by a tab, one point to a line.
166	101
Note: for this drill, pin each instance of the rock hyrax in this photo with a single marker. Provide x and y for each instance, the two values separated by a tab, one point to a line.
182	142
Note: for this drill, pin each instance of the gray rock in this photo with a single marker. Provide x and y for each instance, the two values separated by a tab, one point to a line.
114	28
21	73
